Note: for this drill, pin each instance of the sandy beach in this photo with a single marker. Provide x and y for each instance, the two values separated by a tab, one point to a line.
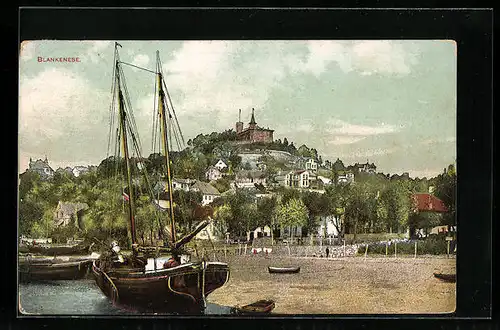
354	285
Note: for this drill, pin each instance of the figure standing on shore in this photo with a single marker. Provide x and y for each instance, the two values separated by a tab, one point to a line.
327	252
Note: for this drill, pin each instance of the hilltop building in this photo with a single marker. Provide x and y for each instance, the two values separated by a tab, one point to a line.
42	167
253	133
363	168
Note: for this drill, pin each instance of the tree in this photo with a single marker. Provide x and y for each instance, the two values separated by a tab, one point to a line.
234	160
222	184
147	219
304	151
423	220
396	199
186	202
266	208
222	216
446	185
292	214
317	206
360	209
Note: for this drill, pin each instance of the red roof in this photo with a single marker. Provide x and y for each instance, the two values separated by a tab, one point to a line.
428	203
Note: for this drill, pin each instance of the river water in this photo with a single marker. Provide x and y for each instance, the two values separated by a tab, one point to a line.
80	297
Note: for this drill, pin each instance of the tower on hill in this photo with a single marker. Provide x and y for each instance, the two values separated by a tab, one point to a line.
253	133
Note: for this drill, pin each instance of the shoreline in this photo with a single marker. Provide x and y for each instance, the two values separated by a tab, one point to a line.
351	285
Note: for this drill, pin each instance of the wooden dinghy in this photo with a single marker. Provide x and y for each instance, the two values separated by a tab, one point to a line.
283	270
55	249
259	307
452	278
45	270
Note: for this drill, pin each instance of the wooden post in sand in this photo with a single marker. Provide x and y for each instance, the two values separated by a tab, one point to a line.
366	250
245	249
386	248
225	253
239	248
289	252
395	249
448	248
415	250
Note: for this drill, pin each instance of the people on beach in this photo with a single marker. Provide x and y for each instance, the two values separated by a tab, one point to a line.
327	252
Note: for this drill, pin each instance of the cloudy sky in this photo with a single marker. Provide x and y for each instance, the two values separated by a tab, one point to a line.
391	102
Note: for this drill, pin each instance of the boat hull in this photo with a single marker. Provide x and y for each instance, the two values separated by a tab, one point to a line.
44	271
258	307
53	250
283	270
452	278
181	288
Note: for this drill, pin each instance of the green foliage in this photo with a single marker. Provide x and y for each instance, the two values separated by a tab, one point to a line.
186	202
446	186
222	184
432	245
293	213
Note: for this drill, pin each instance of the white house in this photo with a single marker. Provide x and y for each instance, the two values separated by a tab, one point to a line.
259	232
325	180
213	173
311	165
328	226
210	193
182	184
345	177
248	178
79	170
298	179
220	165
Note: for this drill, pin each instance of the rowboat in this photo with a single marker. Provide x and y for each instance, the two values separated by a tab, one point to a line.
452	278
283	270
258	307
45	270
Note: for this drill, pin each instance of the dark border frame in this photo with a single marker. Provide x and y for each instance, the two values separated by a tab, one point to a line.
470	28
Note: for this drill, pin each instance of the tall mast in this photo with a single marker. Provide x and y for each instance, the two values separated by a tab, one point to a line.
123	128
164	137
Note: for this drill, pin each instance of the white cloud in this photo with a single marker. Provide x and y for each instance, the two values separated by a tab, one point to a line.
141	60
59	108
343	128
339	140
209	77
96	48
366	57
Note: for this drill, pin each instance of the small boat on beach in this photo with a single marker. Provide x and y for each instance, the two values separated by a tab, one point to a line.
452	278
283	270
258	307
55	249
51	269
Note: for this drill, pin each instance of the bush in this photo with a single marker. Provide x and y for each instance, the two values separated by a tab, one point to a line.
428	246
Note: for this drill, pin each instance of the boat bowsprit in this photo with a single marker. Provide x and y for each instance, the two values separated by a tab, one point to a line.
283	270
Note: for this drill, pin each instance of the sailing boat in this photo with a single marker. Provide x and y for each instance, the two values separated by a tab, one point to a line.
182	285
